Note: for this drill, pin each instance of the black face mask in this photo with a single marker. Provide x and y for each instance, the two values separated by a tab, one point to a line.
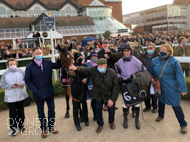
80	60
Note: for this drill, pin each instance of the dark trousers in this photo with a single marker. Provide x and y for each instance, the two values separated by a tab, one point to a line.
76	106
187	72
51	112
37	43
154	102
16	114
93	105
133	108
178	112
111	111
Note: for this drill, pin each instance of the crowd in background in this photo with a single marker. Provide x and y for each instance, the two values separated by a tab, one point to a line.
144	39
180	41
6	52
139	39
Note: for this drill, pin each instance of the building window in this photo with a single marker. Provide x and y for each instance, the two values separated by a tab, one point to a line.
30	13
68	11
62	12
37	11
3	12
9	13
17	13
74	13
51	12
56	13
23	14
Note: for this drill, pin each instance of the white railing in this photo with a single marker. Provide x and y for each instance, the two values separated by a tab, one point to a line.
179	58
158	46
24	59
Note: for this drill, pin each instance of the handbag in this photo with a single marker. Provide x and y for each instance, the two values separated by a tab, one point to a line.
156	81
27	102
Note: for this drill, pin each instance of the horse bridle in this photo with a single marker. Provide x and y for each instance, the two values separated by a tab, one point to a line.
69	80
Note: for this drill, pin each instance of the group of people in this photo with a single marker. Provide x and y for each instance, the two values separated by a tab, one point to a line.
129	61
6	54
99	80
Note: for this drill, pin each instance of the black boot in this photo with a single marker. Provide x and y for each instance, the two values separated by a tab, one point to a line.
138	125
133	114
125	113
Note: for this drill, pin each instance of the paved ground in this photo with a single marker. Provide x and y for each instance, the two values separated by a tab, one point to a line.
166	131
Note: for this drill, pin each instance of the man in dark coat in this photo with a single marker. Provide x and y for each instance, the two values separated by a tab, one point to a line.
37	34
147	60
102	54
38	78
110	63
105	89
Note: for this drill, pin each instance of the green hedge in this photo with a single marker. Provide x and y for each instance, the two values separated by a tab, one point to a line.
187	97
20	64
57	88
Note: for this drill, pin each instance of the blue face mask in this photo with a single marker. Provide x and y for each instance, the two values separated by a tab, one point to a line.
163	55
136	46
38	57
94	60
184	43
149	51
101	70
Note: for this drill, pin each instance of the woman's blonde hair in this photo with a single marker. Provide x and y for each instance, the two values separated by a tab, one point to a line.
168	48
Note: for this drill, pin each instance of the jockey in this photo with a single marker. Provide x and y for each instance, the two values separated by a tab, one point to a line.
125	67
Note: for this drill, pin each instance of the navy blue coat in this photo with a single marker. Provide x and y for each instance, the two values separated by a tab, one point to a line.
172	81
40	82
147	59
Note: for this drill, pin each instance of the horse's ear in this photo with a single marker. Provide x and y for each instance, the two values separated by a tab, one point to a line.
70	47
59	47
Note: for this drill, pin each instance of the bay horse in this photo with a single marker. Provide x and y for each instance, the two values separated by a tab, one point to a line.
66	61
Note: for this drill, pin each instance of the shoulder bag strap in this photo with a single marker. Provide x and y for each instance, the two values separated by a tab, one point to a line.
164	68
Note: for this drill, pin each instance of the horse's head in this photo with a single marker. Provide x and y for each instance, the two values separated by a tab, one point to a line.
66	56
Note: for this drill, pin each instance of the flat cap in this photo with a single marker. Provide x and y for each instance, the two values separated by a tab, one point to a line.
101	61
105	41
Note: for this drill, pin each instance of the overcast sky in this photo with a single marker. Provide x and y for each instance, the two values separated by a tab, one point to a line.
130	6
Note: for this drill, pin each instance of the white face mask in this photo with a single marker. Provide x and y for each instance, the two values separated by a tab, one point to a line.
13	67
